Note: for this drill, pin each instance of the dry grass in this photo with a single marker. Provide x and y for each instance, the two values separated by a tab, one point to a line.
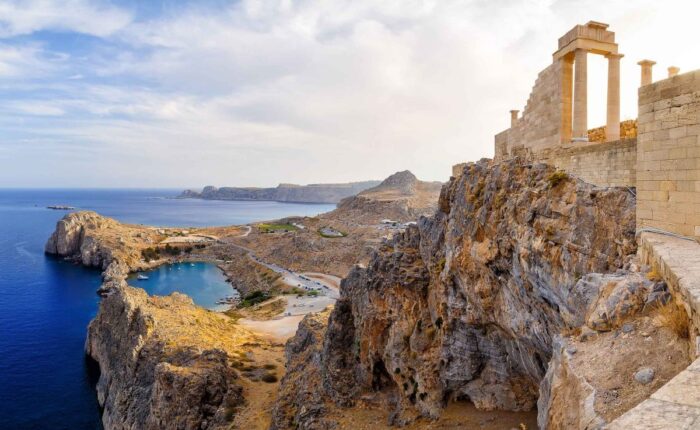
654	276
674	317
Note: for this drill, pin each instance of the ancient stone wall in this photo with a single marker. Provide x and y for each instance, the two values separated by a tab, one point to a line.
668	155
539	126
609	164
628	130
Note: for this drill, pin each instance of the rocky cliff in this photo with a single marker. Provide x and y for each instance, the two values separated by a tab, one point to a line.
312	193
165	363
466	305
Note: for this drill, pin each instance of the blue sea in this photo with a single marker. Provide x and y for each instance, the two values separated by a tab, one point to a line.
46	303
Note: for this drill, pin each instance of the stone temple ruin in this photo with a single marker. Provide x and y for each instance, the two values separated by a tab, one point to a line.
657	156
658	153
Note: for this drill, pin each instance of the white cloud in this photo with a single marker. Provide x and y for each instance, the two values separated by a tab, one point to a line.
18	17
268	91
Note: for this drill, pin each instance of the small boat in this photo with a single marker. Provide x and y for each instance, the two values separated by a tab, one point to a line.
142	277
192	264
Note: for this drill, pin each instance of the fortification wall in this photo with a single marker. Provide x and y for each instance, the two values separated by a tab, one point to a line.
539	126
668	155
611	164
628	130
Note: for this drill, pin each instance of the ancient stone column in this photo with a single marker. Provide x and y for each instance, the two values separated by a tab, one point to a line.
646	71
612	125
673	71
580	94
567	90
513	117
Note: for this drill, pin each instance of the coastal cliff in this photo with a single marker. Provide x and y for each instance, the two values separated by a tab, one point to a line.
164	362
467	305
290	193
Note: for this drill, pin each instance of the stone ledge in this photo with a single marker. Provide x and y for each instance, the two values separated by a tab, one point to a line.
655	414
676	405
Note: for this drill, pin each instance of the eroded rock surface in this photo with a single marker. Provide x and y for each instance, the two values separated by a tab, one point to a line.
466	305
164	363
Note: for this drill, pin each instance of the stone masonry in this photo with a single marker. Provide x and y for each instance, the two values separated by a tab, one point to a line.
668	155
662	160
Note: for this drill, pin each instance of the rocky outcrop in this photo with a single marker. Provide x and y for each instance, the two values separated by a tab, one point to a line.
164	363
75	237
300	402
313	193
98	241
400	197
467	304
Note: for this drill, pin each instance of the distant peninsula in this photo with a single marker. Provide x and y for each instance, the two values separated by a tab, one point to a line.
312	193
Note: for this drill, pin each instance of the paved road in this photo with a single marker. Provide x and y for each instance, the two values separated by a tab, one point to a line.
326	285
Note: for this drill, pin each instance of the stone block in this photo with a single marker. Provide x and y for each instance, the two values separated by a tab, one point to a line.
654	414
683	389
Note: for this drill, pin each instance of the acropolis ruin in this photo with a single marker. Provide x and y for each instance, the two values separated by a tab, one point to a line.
658	154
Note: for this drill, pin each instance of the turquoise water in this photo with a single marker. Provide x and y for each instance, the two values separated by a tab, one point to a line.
204	282
46	303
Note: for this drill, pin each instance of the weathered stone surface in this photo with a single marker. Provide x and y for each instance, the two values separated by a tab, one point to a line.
466	304
158	369
300	401
644	375
567	400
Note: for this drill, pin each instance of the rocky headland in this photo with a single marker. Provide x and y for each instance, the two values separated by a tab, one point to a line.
312	193
401	198
165	362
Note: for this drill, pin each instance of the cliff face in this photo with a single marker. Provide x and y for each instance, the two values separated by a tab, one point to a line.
164	363
466	305
313	193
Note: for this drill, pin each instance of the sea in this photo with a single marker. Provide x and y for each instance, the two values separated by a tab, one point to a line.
46	382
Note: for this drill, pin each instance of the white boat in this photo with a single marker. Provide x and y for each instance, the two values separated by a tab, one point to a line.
142	277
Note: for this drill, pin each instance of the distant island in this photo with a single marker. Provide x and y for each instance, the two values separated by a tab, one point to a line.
60	207
291	193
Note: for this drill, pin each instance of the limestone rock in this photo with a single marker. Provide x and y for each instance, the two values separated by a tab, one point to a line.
467	303
158	369
644	375
300	401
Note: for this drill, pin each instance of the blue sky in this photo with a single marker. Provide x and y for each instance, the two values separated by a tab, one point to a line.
256	92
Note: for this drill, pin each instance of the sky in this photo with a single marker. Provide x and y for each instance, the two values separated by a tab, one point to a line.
135	93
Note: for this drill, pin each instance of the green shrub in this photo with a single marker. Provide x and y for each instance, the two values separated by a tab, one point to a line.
556	178
253	299
149	254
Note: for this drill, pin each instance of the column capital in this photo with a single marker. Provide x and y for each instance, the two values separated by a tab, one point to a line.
673	71
646	71
513	117
613	55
